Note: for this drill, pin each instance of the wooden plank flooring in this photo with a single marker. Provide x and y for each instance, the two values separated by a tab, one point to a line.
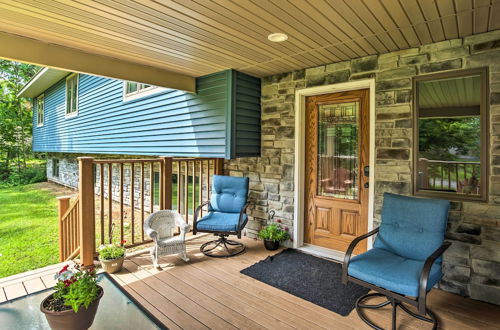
208	293
211	293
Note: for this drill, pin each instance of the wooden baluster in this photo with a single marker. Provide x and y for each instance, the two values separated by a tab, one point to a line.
219	166
151	187
101	173
193	194
186	192
200	183
167	182
132	194
121	203
63	205
162	188
110	202
457	177
86	212
142	201
179	180
449	176
208	179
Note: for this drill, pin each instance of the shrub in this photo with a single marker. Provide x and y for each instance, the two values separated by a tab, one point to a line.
110	252
274	233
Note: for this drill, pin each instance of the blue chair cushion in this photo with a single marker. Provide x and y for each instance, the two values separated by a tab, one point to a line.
392	272
220	222
412	228
229	194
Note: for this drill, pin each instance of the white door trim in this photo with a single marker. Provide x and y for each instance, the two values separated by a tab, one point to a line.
299	185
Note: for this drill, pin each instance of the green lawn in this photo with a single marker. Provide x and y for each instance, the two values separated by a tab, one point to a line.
28	229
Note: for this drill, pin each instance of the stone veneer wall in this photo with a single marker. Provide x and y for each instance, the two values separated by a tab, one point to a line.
472	264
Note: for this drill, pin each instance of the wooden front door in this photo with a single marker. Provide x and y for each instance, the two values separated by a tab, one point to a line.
337	147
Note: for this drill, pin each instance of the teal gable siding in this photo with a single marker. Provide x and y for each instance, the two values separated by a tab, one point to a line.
170	122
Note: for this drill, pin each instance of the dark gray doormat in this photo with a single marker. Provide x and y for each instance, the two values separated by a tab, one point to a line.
311	278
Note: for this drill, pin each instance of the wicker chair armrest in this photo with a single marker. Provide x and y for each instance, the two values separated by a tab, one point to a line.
151	233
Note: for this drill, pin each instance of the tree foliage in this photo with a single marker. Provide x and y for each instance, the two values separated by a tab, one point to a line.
449	138
15	117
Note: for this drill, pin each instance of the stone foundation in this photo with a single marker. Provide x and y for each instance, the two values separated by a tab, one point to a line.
472	264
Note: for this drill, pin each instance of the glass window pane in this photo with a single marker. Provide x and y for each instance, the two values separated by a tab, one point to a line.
131	87
74	95
338	150
449	146
68	96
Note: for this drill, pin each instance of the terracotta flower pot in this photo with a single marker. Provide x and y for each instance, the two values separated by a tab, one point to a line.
271	245
113	265
82	320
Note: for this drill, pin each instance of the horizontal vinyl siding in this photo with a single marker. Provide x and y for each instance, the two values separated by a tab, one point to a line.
170	122
247	116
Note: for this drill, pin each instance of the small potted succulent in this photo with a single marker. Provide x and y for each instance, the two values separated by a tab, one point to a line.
111	257
74	303
273	235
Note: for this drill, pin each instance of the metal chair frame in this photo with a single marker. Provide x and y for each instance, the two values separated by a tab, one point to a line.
393	298
209	247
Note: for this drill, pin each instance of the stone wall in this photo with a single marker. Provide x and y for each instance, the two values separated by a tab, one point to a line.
472	264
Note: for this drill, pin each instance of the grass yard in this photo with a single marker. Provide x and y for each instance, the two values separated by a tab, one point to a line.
28	228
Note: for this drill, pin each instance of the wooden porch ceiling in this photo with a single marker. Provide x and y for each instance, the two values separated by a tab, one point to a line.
199	37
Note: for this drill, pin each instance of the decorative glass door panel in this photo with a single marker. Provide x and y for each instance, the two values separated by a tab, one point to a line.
337	148
338	152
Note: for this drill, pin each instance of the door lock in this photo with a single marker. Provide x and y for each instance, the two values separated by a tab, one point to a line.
366	171
366	185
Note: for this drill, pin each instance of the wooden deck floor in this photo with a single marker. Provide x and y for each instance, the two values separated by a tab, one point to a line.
211	293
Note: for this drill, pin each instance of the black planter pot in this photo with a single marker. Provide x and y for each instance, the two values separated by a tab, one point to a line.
271	245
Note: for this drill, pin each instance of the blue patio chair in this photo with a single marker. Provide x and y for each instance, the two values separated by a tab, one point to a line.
226	216
405	261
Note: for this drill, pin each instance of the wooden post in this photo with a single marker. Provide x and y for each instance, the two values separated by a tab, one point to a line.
86	210
63	206
219	166
166	180
423	169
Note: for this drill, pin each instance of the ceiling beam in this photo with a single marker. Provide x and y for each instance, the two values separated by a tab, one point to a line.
17	48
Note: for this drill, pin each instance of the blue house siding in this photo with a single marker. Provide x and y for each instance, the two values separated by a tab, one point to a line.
246	104
170	122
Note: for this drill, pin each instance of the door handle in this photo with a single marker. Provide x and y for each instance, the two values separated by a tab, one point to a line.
366	185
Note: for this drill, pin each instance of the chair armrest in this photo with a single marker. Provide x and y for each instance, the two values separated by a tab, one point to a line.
424	275
348	254
151	233
243	211
197	214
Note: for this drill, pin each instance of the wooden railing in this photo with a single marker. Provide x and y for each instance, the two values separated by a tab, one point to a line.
116	195
69	240
456	176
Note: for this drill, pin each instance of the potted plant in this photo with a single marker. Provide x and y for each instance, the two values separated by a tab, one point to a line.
111	257
74	303
273	235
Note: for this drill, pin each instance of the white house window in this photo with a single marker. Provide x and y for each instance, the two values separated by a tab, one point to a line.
72	95
133	90
40	109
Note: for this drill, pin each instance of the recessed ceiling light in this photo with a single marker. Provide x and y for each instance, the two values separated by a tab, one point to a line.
277	37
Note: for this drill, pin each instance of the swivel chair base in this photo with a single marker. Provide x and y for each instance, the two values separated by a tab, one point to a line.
359	306
229	248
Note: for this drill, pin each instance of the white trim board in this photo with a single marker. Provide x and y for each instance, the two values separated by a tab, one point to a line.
300	110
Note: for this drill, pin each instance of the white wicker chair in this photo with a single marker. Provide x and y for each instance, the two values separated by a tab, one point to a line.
160	227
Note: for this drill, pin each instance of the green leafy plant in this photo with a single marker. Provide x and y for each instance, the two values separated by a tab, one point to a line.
75	287
110	252
274	233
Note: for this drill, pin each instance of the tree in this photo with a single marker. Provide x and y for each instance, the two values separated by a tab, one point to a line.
449	138
15	116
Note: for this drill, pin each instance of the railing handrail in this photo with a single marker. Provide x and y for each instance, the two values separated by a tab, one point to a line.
449	161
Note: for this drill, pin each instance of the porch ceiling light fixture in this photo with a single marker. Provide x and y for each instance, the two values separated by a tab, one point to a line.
277	37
